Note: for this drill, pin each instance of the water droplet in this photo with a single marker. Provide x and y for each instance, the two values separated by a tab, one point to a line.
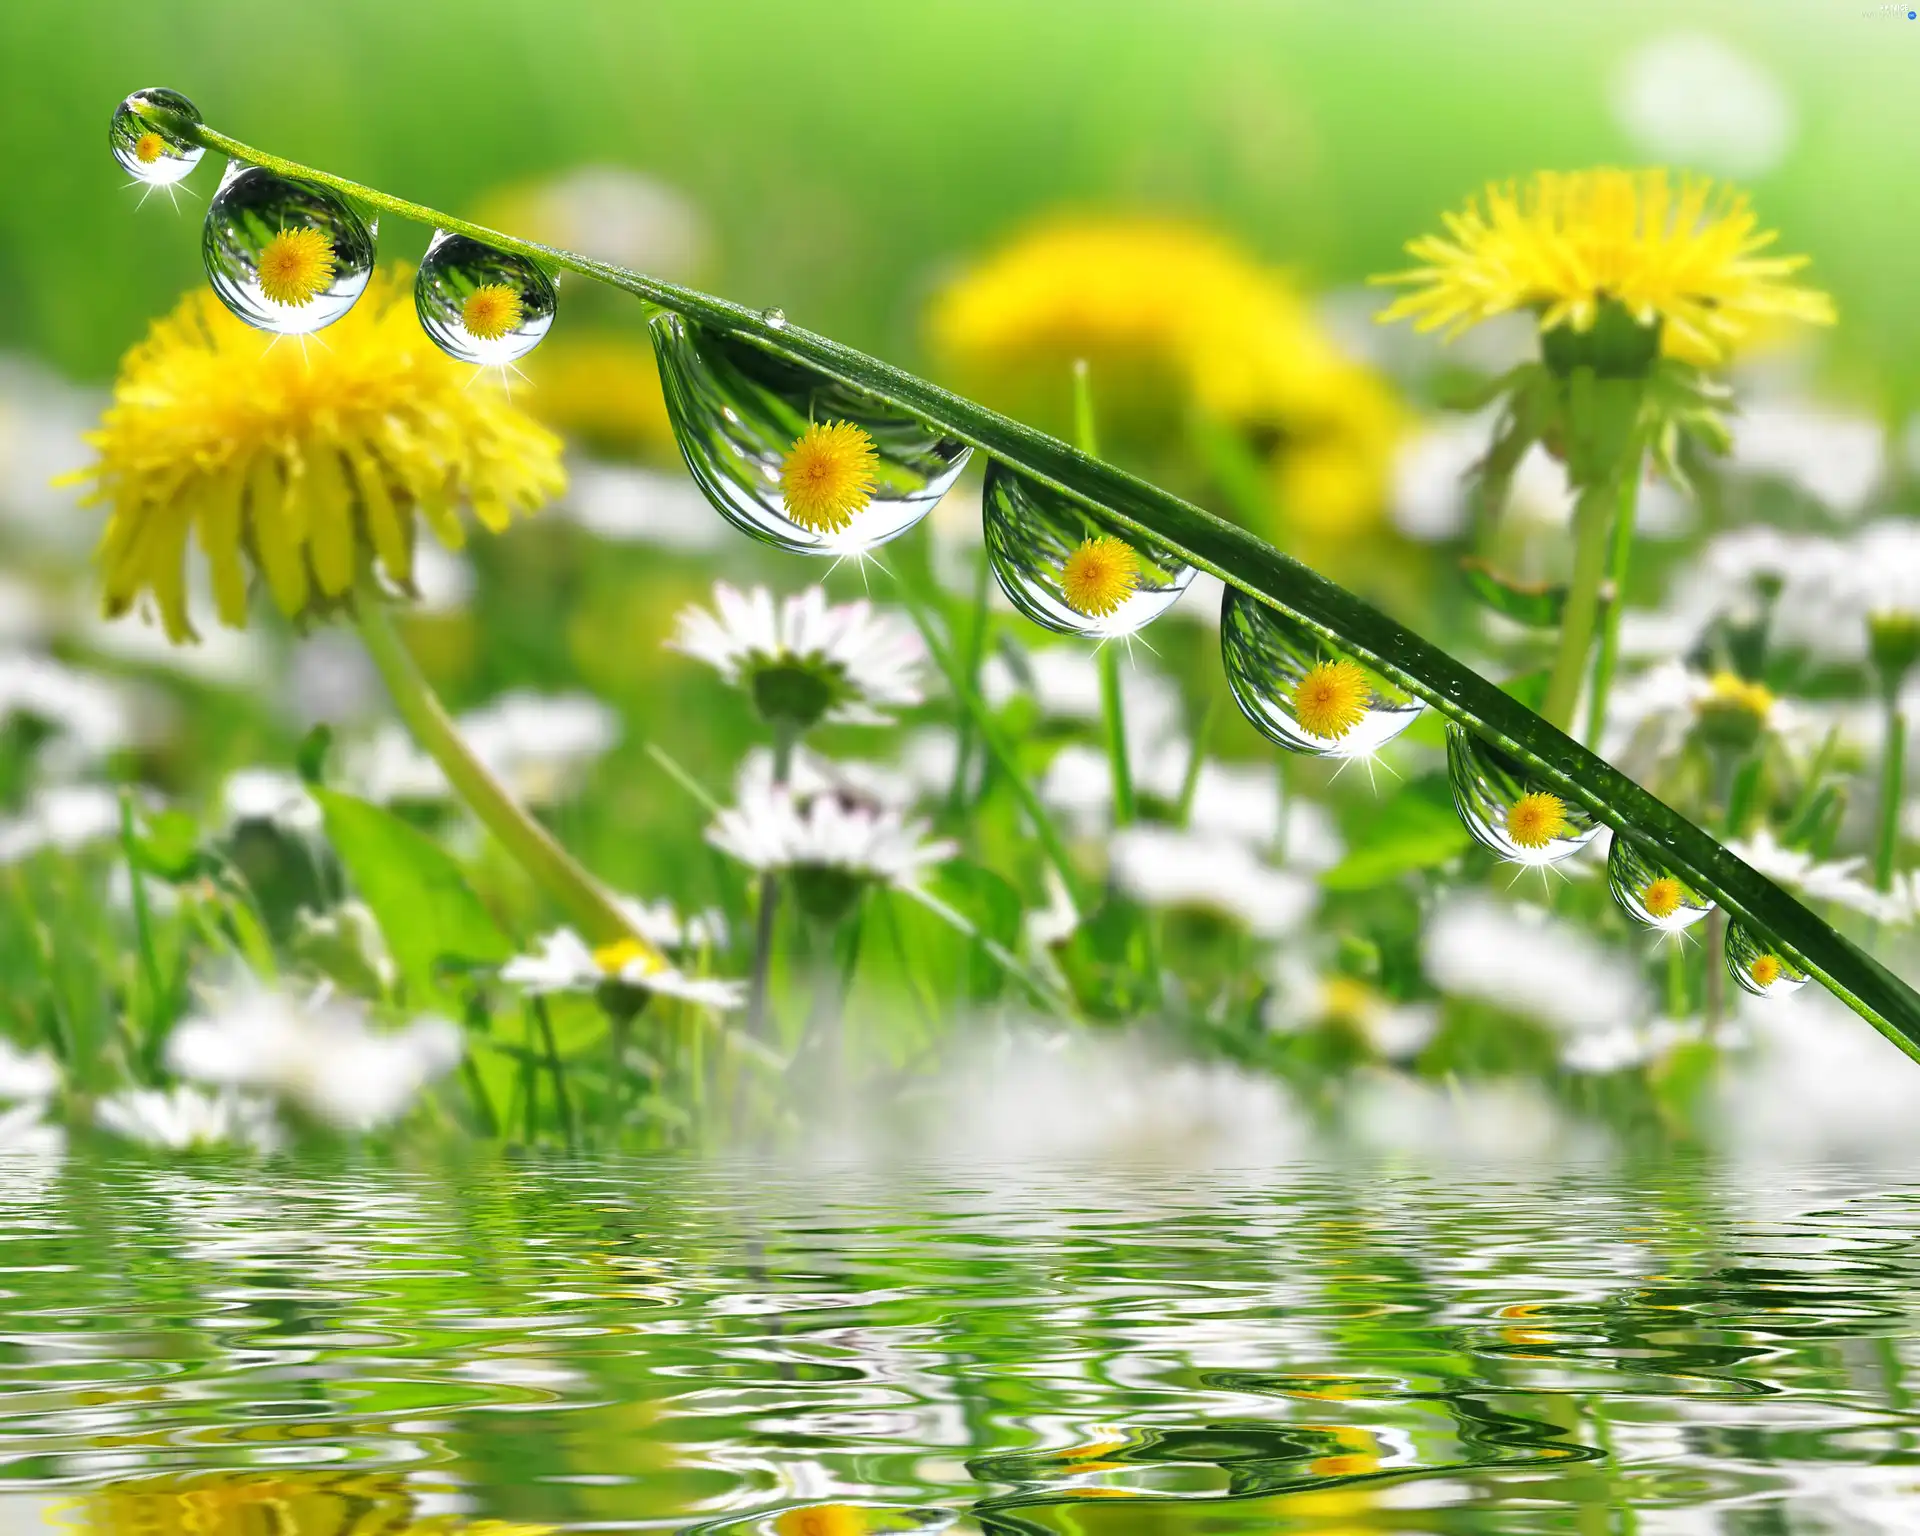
146	151
1758	966
1071	568
284	255
1300	691
481	304
777	318
1507	809
792	455
1651	894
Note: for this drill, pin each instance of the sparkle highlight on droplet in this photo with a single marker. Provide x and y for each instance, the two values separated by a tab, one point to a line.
1099	576
828	476
1536	819
296	266
492	311
1332	698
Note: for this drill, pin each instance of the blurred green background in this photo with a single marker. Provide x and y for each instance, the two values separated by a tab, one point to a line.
850	153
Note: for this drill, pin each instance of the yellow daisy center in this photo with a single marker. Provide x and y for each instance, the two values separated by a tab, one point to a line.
1735	694
297	266
148	148
1765	970
1332	699
492	311
1099	576
828	476
1536	819
614	958
1661	897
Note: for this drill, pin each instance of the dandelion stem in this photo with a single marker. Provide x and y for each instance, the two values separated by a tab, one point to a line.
1591	520
1893	772
551	866
1615	600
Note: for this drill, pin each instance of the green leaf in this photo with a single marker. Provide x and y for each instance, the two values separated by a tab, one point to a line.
420	896
994	908
168	845
1536	604
1108	960
1242	559
1417	829
310	759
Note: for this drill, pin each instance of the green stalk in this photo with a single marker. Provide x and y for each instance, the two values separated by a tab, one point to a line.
1592	515
763	921
583	899
1243	560
563	1102
1893	768
970	659
1617	562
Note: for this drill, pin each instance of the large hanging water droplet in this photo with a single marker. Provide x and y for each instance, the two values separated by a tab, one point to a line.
1651	894
792	455
284	255
481	304
1758	966
1068	567
1507	809
146	151
1300	691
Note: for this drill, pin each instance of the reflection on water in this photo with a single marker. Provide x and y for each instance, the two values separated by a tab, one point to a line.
239	1352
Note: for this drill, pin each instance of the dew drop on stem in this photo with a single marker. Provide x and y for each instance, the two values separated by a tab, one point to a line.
481	304
145	150
1650	893
1510	810
286	256
1758	966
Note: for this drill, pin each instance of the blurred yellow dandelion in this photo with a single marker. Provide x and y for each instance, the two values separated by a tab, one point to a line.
491	311
302	467
1661	897
828	476
1332	698
1680	252
1536	819
1099	576
296	266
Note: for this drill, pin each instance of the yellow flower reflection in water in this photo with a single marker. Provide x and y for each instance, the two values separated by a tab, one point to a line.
268	1504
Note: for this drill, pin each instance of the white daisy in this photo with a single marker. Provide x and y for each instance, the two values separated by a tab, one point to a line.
642	506
66	817
565	962
1836	880
318	1054
1303	998
26	1075
831	848
1064	681
1527	962
1625	1044
809	774
183	1119
1835	458
660	924
270	795
807	660
23	1133
1165	867
542	745
89	715
1651	715
1691	98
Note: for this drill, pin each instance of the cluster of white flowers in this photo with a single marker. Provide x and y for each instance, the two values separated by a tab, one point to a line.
777	829
565	962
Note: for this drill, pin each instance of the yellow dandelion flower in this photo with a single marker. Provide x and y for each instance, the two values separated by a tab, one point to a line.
828	476
1099	576
1171	317
1765	970
302	466
613	959
1680	253
1662	897
1536	819
148	148
296	266
1332	698
491	311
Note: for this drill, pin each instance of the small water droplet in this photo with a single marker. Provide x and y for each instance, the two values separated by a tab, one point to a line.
284	255
1070	568
1300	691
1508	809
740	412
481	304
146	151
777	318
1758	966
1651	894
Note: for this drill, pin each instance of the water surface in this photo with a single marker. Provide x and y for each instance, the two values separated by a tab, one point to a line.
246	1351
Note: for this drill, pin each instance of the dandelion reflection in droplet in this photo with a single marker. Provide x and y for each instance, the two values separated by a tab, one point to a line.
1069	568
1508	809
791	455
1300	691
1759	966
481	304
1650	893
144	149
285	256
